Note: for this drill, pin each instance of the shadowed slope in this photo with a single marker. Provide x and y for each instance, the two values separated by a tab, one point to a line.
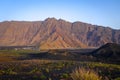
108	52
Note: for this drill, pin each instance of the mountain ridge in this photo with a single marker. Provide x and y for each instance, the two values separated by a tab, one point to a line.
53	33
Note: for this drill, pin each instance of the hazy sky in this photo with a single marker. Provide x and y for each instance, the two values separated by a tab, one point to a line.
100	12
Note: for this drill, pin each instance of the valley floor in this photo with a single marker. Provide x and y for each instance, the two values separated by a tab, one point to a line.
51	65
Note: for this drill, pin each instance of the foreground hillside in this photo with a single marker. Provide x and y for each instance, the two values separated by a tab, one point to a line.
61	64
55	70
52	33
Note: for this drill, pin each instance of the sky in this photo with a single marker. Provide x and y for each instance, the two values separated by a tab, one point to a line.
96	12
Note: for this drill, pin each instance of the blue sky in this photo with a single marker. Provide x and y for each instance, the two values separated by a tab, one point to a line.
100	12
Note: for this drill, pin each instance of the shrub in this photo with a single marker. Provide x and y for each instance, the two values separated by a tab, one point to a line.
117	78
84	74
43	77
64	75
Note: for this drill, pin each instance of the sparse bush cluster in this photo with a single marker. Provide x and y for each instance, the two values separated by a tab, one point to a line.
32	68
58	70
84	74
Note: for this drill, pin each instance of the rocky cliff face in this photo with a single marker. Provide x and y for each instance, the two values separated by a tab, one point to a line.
53	33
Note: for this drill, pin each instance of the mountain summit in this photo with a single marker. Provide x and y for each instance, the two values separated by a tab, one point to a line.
52	33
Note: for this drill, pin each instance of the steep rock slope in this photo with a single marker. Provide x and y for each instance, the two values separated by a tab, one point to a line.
53	33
